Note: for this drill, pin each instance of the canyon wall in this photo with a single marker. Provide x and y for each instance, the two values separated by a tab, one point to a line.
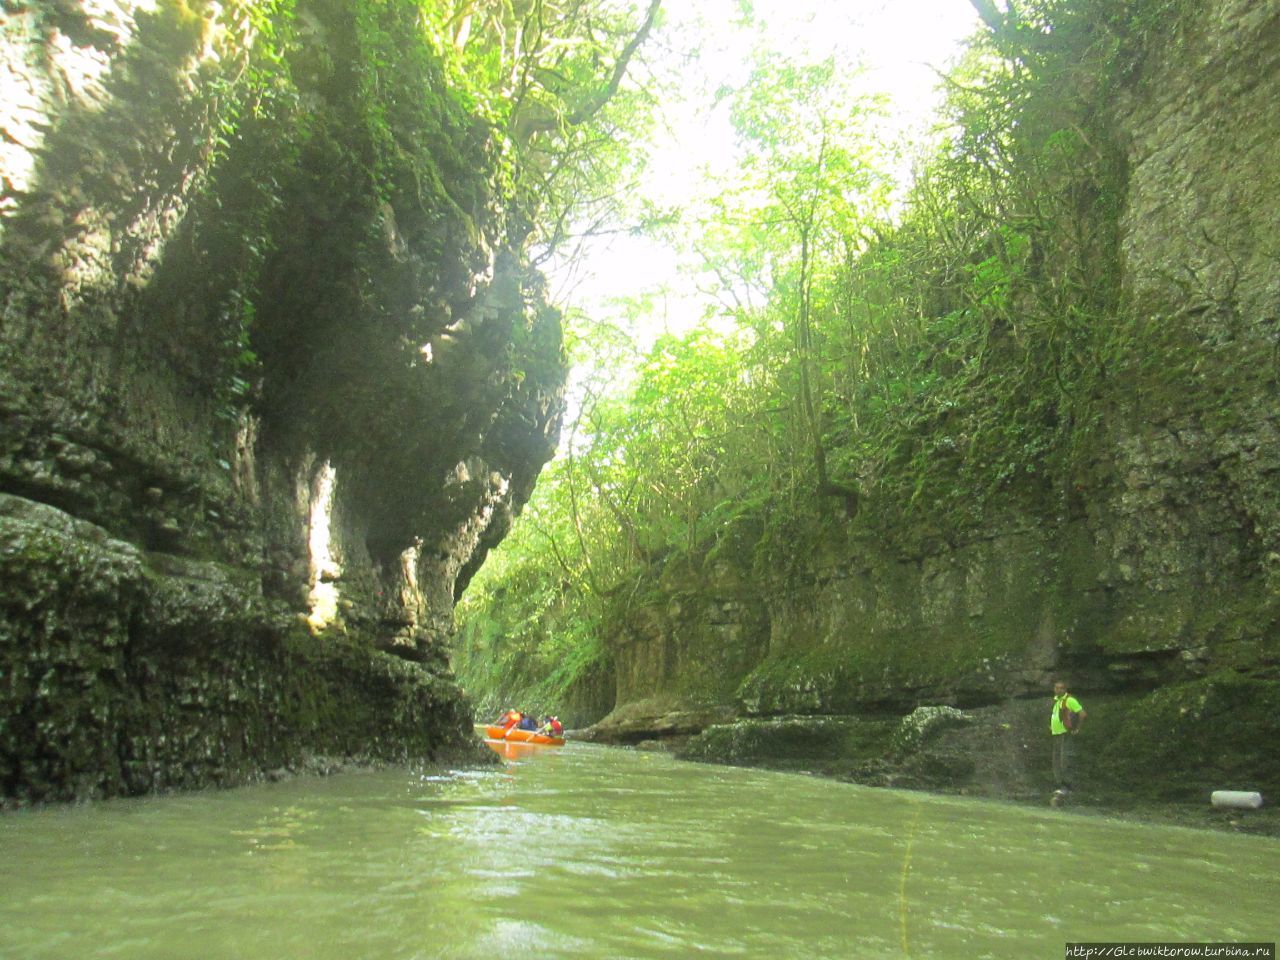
1149	575
274	376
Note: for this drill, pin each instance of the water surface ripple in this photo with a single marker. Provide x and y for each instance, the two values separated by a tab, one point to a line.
597	853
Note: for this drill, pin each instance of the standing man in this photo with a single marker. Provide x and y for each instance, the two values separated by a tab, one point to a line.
1064	724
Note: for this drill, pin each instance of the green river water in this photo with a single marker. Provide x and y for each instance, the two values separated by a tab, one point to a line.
595	852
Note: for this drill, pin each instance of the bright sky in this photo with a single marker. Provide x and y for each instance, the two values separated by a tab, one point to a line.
899	42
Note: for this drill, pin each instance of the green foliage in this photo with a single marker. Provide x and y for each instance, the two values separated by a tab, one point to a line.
259	122
173	30
937	368
555	80
379	106
654	478
528	639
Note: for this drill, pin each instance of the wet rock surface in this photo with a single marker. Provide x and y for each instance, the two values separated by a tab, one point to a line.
1157	758
264	405
126	673
1148	575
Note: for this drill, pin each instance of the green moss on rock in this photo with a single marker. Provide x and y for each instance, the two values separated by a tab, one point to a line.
792	741
121	676
1182	742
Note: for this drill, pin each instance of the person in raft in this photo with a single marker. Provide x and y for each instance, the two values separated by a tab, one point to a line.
527	722
509	719
1064	723
552	727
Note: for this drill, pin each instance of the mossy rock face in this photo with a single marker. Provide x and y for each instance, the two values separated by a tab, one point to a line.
1168	748
790	740
122	675
924	724
66	592
878	675
239	262
1183	742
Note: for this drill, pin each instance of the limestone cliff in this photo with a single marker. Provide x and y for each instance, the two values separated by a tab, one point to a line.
1153	566
273	379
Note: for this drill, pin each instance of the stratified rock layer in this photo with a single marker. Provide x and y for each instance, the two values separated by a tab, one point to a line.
273	379
1150	575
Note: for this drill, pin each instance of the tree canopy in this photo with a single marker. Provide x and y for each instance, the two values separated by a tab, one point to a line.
874	354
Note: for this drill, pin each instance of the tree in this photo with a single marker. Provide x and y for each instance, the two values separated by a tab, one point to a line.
552	73
812	177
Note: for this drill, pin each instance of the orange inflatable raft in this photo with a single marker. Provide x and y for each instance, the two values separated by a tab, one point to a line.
516	735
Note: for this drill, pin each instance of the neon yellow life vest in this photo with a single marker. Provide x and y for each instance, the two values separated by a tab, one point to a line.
1065	702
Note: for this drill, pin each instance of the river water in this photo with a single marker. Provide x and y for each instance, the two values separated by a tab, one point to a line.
594	852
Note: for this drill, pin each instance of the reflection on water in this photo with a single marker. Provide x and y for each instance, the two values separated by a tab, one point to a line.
591	852
514	750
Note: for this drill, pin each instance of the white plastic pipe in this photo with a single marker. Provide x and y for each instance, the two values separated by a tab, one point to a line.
1241	799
